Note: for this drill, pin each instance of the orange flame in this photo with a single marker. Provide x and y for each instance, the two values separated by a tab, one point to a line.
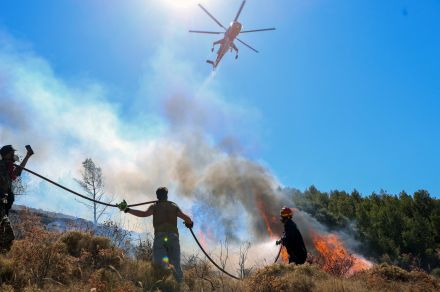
202	238
284	255
360	264
263	214
334	256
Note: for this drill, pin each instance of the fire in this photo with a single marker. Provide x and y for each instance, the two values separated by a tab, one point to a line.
263	214
330	247
335	258
360	264
333	255
202	238
284	255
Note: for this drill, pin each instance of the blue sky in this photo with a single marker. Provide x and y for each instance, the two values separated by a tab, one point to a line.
343	95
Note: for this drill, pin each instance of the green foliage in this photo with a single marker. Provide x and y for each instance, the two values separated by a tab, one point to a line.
436	272
400	229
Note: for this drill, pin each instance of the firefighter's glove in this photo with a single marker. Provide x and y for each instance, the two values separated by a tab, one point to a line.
278	242
189	225
29	150
123	206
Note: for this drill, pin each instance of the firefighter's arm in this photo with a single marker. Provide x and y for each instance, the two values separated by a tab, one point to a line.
186	218
123	206
283	239
139	213
29	153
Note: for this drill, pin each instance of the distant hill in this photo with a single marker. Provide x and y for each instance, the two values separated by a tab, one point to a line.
52	220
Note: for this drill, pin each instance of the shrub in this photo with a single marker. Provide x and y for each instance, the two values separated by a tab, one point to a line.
119	236
144	249
37	262
6	288
106	279
386	277
286	278
92	251
26	224
390	273
436	272
6	269
77	241
200	274
149	276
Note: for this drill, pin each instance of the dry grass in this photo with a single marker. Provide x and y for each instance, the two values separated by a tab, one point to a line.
22	270
391	278
286	278
311	278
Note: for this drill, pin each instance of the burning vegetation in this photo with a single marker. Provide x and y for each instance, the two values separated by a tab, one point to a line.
328	250
333	257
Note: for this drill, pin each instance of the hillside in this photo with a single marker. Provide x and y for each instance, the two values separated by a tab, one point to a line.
44	260
51	220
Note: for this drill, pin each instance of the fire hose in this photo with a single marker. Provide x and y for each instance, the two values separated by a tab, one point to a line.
209	258
78	194
134	205
278	255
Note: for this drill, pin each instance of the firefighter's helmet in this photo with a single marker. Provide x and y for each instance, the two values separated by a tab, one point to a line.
286	212
6	150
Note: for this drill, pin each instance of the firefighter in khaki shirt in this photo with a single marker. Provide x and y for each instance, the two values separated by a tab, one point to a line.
166	247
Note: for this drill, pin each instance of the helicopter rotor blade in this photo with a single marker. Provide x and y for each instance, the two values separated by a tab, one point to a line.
239	10
246	45
208	32
212	17
255	30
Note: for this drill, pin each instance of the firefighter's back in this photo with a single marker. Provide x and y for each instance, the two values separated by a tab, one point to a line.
165	217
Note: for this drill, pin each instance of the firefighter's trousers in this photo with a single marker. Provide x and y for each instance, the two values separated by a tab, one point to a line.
166	252
6	234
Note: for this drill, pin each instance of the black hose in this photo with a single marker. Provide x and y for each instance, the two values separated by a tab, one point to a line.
209	258
78	194
278	255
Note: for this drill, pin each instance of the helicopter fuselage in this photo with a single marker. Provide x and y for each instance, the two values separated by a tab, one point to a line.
233	31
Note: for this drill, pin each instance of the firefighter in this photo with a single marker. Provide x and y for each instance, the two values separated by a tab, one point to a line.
292	239
166	246
8	173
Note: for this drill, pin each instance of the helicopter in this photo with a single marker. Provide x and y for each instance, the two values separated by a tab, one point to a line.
230	35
